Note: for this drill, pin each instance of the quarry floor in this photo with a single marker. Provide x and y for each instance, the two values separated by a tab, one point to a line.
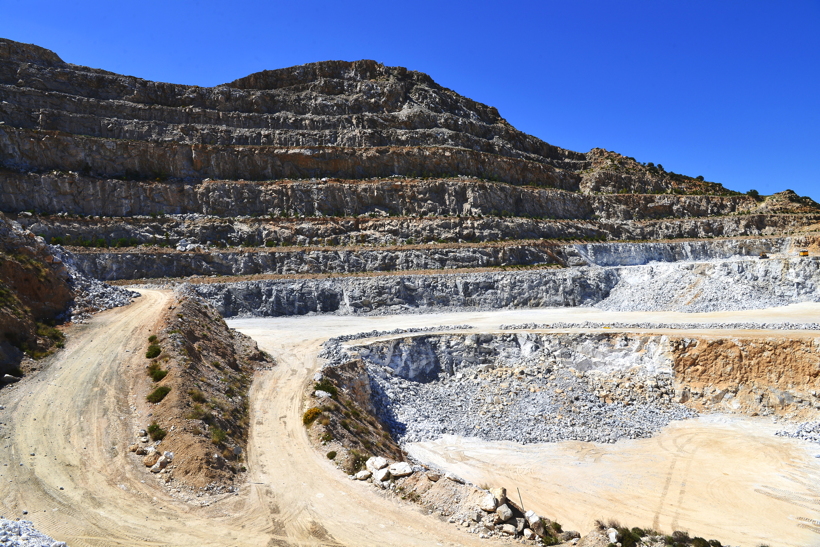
719	476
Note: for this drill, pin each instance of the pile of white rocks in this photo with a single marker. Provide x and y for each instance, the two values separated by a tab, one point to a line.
21	533
527	403
90	295
807	431
379	471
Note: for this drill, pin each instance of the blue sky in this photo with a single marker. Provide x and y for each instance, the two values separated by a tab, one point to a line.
728	90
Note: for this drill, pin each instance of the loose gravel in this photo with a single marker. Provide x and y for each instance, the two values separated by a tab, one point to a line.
21	533
526	399
91	295
807	431
655	326
526	403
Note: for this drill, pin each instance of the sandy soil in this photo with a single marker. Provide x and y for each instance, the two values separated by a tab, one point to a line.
721	477
77	417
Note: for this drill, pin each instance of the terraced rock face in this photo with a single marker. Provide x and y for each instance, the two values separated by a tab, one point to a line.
326	154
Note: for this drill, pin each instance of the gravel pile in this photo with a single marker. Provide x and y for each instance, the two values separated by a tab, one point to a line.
91	295
807	431
527	403
21	533
653	326
719	285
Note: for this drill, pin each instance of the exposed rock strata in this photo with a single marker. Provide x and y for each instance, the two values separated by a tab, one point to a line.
654	287
363	231
152	264
58	192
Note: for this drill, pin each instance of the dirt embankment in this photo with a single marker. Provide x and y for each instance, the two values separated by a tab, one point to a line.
753	375
198	372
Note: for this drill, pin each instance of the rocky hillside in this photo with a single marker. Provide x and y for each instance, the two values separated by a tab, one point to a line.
40	287
327	154
35	291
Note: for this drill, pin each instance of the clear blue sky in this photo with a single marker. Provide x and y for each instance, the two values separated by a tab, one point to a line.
725	89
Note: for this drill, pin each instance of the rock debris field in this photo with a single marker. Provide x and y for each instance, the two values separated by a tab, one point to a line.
527	389
21	533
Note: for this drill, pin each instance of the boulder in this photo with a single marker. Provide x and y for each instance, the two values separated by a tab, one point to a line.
520	524
9	379
151	458
529	534
363	475
400	469
141	451
508	529
487	503
455	478
133	448
503	513
612	534
432	476
500	495
375	463
381	475
536	523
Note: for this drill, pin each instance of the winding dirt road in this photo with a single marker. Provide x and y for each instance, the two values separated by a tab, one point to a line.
79	414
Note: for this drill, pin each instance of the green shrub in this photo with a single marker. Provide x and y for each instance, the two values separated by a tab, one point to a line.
197	413
310	415
47	331
218	436
152	339
326	386
196	396
331	454
153	351
155	372
156	432
158	394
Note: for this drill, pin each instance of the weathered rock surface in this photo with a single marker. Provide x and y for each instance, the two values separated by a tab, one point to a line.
677	286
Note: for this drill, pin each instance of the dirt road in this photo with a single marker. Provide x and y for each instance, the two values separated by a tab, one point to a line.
78	416
81	486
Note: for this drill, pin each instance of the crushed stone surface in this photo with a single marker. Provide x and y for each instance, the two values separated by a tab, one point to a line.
21	533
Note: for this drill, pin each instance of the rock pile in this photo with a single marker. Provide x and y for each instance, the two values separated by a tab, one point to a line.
528	403
155	460
21	533
90	295
657	326
807	431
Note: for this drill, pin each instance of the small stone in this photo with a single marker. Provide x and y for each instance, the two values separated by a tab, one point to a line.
151	459
432	476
